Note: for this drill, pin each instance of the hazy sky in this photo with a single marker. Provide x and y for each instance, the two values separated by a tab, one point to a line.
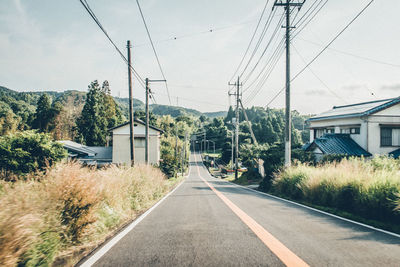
54	45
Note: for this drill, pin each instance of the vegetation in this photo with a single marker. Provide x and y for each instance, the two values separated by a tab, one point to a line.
367	189
99	114
26	152
70	209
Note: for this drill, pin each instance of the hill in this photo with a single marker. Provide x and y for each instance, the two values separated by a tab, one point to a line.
77	98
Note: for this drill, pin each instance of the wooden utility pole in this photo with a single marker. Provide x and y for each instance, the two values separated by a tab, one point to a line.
146	152
237	94
131	118
147	140
287	4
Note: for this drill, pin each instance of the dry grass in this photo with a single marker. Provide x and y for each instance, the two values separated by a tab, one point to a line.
369	189
70	207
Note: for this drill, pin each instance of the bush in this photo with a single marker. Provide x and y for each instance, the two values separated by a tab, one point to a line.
70	207
28	151
369	189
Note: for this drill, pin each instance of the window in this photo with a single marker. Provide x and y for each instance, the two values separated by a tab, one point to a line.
386	137
355	130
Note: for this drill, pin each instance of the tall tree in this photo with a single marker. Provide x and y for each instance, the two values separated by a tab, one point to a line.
92	125
42	115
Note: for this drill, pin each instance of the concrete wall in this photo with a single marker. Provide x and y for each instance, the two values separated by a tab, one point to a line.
121	145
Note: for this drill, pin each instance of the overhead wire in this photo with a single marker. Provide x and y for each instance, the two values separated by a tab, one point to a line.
154	50
323	50
96	20
251	41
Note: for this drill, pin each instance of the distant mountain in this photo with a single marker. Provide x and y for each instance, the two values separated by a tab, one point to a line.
216	114
78	98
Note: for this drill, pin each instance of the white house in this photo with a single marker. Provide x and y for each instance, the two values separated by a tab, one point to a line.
121	143
367	128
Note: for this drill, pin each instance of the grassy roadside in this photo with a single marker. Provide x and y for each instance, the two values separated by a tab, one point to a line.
364	191
60	216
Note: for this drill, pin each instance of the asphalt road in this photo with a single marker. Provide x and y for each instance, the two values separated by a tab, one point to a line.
210	222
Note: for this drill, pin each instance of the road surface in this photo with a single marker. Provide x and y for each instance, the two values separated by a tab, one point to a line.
210	222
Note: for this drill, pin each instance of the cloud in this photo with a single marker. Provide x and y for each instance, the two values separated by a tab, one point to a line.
316	92
391	87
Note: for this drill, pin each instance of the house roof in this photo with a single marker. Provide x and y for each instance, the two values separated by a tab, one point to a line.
340	144
137	121
102	153
356	110
395	154
77	148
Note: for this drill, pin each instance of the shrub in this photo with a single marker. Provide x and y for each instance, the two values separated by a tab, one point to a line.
28	151
69	207
370	189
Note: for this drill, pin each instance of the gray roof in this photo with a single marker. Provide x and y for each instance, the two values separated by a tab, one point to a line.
137	121
338	144
77	148
95	153
356	110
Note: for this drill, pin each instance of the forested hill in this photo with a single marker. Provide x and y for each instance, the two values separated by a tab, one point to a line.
77	99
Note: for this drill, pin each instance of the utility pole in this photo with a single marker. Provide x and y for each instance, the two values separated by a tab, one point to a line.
287	4
237	94
131	119
146	149
147	141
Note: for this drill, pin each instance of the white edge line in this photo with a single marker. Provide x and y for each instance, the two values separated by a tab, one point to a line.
319	211
313	209
101	252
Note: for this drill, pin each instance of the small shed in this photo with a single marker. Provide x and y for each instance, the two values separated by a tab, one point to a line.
121	143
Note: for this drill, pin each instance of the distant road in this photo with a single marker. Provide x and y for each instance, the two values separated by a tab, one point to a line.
210	222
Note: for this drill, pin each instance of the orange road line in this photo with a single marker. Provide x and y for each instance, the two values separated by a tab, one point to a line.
283	253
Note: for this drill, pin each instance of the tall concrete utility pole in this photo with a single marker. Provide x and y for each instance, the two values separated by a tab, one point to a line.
237	94
147	141
287	4
131	119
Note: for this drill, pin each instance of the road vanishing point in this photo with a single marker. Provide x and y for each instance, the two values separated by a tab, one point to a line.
210	222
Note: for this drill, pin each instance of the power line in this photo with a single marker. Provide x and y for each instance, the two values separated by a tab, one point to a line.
351	54
154	50
251	41
323	50
211	30
96	20
299	30
262	35
318	78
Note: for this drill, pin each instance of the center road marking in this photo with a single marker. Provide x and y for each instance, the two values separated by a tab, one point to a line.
283	253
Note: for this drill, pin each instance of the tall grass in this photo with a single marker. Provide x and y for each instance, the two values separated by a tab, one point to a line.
70	207
368	189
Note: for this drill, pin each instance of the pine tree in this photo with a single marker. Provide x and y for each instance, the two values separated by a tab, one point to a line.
92	125
42	115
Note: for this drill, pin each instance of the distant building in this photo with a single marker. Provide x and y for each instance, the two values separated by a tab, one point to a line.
121	143
366	129
89	155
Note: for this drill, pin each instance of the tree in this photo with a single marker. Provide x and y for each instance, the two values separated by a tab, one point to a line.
42	115
28	151
92	125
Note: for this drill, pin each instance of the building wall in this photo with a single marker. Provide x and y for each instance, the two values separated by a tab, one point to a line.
337	124
388	116
370	130
121	145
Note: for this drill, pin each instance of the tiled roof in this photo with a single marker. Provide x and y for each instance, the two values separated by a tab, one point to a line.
356	110
395	154
340	144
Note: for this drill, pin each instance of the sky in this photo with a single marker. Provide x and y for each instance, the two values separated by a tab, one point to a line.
55	45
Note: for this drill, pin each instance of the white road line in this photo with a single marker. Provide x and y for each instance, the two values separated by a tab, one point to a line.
319	211
101	252
313	209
